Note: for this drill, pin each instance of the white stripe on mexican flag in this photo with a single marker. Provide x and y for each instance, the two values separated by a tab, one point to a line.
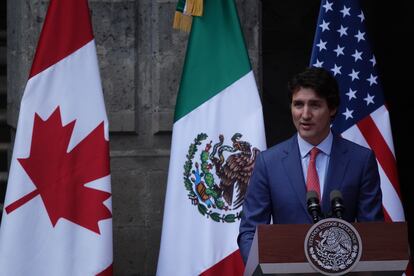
207	177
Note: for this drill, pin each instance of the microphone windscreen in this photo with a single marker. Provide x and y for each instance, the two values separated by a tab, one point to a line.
335	194
311	194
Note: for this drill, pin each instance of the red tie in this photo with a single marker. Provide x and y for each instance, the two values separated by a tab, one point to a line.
312	179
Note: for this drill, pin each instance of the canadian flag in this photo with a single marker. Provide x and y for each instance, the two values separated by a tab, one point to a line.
57	218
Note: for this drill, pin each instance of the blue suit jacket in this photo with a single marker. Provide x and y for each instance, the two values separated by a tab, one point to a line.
277	187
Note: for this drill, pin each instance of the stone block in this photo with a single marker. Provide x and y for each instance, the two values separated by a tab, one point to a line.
114	24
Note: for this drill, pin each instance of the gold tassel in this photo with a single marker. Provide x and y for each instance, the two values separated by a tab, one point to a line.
195	7
177	19
182	22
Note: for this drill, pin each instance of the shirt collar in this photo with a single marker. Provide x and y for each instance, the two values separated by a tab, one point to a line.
325	146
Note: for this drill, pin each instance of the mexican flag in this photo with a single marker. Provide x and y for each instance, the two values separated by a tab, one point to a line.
57	218
218	132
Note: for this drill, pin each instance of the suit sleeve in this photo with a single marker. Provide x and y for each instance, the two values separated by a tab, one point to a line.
256	207
370	195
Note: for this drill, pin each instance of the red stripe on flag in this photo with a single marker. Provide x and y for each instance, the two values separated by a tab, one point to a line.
66	29
387	217
409	270
383	153
107	272
232	265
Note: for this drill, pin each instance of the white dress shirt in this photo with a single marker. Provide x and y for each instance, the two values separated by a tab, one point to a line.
322	159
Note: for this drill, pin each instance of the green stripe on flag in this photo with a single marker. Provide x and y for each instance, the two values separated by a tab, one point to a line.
216	56
180	6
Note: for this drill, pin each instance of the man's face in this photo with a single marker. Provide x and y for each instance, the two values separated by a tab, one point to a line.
311	115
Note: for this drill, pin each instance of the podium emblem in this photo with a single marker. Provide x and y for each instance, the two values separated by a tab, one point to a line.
333	246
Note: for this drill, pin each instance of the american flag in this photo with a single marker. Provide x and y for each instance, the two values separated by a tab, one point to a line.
341	46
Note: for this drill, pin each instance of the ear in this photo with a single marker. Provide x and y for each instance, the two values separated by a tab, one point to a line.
333	111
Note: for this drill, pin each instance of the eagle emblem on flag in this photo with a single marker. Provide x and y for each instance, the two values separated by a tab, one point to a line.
217	180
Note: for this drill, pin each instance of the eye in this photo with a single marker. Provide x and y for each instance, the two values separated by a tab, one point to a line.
315	105
297	104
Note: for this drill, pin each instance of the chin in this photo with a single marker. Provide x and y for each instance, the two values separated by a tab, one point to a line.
306	134
308	137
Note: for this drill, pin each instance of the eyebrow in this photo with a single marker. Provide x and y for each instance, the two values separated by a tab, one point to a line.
310	101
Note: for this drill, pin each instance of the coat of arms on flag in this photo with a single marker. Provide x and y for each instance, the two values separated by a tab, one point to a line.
217	133
216	175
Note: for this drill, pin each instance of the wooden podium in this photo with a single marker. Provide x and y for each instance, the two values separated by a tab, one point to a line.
278	249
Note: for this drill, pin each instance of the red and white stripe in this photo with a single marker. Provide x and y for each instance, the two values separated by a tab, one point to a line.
374	132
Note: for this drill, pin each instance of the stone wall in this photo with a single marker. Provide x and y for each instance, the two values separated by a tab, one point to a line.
140	58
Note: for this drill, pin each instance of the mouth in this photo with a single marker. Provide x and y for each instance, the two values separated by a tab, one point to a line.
306	126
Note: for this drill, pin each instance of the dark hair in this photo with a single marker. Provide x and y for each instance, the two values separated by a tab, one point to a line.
321	81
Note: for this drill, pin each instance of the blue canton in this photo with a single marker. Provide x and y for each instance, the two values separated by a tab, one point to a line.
341	46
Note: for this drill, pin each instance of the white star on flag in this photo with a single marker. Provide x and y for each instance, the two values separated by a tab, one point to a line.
342	31
357	55
373	60
318	63
360	36
321	45
372	79
345	11
327	6
336	70
348	114
351	94
369	99
339	50
354	75
324	26
361	15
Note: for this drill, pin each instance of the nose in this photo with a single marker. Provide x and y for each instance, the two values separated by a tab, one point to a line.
306	114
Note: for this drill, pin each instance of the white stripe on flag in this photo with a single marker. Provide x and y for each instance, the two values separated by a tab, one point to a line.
354	134
236	109
391	200
382	120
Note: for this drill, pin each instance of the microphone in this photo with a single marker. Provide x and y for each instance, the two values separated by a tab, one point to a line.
314	209
337	204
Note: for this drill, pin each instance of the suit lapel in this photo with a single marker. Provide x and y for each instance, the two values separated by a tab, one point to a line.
293	167
336	171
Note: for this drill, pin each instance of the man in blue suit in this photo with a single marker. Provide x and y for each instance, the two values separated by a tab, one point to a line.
282	174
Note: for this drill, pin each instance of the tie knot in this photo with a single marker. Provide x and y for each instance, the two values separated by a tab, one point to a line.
313	153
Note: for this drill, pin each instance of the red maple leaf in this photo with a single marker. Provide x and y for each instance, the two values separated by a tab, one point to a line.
60	176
